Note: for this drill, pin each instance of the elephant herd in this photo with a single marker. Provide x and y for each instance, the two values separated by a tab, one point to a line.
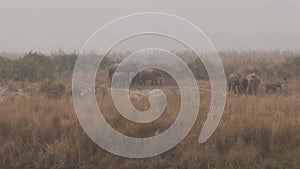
242	85
154	76
249	84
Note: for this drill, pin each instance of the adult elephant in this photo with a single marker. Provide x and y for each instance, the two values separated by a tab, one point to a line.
243	84
253	83
152	75
136	79
233	82
111	70
121	79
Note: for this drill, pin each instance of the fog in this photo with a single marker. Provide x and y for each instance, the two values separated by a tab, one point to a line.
232	24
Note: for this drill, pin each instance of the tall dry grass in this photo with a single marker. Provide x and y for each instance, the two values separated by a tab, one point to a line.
255	132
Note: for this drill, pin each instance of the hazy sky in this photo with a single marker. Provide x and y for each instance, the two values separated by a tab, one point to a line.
230	24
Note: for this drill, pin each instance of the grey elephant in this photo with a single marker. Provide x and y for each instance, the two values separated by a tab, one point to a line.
233	82
121	79
111	70
136	79
253	83
243	84
274	86
152	75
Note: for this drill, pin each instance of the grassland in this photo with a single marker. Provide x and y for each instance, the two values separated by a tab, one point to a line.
256	132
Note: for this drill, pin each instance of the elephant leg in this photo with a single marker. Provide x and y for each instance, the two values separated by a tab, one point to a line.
234	89
229	88
242	90
249	90
256	90
156	81
153	82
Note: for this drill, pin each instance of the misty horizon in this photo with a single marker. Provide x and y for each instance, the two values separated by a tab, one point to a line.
232	25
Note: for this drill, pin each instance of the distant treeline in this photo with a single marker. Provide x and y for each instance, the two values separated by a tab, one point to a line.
34	66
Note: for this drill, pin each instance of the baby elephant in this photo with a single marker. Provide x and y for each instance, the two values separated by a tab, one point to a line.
273	86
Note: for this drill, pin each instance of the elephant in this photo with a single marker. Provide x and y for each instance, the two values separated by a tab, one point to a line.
233	82
112	68
136	80
253	83
153	75
243	84
121	78
273	86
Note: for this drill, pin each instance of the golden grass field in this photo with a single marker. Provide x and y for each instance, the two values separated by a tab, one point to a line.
255	132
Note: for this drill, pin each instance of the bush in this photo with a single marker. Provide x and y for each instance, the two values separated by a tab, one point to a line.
198	69
53	90
65	62
34	67
296	63
292	64
7	68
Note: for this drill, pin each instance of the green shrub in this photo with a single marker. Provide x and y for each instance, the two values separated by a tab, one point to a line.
34	67
198	69
296	63
7	68
65	62
52	89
